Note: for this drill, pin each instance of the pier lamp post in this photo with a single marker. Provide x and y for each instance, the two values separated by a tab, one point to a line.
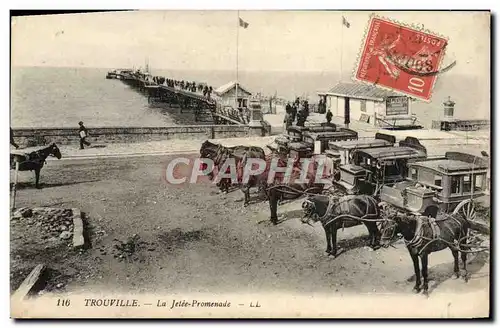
448	120
449	108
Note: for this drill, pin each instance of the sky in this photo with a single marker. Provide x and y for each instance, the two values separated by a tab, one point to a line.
274	40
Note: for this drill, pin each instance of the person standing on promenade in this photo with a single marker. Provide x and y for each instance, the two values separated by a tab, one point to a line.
286	119
329	116
12	141
83	134
301	117
293	112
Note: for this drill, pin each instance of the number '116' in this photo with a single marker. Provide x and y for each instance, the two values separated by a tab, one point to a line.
61	302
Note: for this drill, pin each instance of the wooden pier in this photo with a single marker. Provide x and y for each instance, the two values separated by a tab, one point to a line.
206	109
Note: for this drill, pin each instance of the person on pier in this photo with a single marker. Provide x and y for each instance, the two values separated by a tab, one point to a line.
83	135
293	113
297	102
209	92
286	119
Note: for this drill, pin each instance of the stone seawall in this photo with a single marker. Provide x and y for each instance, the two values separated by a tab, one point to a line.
27	137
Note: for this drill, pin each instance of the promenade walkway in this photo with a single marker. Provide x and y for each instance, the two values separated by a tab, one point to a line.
437	142
165	147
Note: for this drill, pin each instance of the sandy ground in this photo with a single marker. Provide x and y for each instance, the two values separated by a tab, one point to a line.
201	241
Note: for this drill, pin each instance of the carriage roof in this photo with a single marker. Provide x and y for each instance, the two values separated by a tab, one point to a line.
384	153
322	128
448	166
454	162
352	168
298	146
353	144
330	134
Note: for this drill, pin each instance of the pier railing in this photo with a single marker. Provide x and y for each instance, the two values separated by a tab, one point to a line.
238	116
205	106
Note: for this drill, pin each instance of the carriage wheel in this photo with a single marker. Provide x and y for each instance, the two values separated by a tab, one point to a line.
467	209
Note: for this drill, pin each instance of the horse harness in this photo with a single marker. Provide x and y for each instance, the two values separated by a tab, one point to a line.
34	157
332	204
420	242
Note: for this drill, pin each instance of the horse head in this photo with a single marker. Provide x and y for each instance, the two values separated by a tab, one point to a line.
54	151
390	227
207	147
314	208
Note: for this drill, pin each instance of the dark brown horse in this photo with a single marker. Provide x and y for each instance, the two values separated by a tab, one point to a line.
280	188
220	159
35	160
219	154
240	178
343	212
424	235
209	149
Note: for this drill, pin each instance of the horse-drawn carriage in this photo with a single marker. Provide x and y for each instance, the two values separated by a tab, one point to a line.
434	209
369	169
310	140
448	184
339	151
320	140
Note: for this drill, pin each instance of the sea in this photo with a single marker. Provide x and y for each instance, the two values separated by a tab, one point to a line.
43	97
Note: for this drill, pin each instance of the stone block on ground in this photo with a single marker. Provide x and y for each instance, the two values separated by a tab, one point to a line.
78	239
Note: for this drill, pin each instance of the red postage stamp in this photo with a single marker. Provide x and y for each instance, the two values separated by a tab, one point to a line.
400	58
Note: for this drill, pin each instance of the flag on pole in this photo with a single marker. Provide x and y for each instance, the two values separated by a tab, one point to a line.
345	22
243	23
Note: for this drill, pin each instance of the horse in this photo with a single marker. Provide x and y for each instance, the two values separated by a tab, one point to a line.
424	235
223	154
219	154
279	190
209	150
220	158
35	160
343	212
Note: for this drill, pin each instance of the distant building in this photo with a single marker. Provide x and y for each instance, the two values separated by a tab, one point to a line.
369	104
226	95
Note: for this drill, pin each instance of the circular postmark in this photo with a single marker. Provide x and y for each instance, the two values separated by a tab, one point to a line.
417	54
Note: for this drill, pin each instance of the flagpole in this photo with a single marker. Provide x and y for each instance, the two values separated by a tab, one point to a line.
341	44
237	49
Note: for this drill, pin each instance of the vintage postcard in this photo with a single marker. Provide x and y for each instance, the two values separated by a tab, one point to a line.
250	164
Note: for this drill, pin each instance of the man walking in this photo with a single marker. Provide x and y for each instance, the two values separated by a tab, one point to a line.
83	134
